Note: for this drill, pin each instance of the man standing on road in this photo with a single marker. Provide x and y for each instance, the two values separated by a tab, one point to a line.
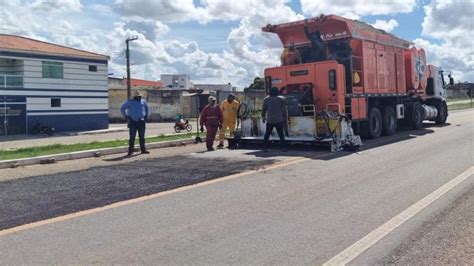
136	112
274	115
229	110
211	117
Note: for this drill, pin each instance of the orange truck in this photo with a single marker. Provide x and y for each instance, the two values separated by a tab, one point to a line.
352	79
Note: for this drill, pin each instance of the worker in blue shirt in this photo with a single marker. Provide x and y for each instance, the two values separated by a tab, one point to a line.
136	112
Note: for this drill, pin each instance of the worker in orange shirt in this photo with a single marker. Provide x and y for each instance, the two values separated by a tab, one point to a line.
290	56
229	110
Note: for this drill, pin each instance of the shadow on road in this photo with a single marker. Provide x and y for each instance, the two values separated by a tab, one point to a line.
322	152
121	158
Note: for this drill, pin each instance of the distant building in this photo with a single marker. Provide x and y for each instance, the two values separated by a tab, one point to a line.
461	90
215	87
121	83
52	85
118	94
117	83
141	83
179	82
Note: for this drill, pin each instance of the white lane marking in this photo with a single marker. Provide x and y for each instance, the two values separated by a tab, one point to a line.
373	237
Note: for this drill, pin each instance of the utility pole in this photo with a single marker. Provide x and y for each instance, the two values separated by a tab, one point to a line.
127	54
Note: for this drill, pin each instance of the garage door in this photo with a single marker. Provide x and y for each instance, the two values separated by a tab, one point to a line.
12	115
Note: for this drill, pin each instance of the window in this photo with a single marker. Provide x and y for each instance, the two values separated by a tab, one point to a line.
55	102
92	68
53	70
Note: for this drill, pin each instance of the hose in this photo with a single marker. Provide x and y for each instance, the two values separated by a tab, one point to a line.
243	111
325	116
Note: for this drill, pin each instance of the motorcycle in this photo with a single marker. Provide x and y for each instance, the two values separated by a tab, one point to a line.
39	129
178	126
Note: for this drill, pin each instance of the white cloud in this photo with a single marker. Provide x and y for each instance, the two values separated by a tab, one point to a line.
385	25
356	8
176	10
101	9
250	50
208	10
57	5
152	29
451	23
178	49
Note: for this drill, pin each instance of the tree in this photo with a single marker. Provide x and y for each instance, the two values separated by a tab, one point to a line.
258	84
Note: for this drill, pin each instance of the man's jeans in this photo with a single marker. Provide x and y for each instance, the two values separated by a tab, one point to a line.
268	132
135	126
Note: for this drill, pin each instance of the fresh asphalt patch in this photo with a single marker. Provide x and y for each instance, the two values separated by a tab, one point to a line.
37	198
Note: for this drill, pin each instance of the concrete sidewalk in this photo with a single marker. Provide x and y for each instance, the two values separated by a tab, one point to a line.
460	102
115	131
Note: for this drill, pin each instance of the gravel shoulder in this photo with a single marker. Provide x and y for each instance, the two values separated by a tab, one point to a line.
447	239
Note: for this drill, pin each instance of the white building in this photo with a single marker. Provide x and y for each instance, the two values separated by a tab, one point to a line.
179	82
215	87
51	85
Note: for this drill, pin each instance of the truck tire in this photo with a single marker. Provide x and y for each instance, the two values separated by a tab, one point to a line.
389	121
417	116
374	123
442	113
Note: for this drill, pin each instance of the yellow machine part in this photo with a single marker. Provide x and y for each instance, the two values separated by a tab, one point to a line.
322	127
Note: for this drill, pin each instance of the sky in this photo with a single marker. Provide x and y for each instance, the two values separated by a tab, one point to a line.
220	41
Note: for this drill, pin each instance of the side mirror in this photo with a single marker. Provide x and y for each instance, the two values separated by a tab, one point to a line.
451	80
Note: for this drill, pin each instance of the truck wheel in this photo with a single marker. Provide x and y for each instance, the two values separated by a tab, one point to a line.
375	123
389	119
417	116
442	113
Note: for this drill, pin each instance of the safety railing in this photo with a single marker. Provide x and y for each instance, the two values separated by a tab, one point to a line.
7	81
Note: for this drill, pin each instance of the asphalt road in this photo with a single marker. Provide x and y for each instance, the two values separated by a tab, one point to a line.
304	209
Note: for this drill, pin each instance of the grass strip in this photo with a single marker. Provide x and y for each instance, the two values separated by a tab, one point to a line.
459	106
67	148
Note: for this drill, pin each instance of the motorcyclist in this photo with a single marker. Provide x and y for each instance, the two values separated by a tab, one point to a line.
180	121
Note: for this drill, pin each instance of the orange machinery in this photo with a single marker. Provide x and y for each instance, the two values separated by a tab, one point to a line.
382	79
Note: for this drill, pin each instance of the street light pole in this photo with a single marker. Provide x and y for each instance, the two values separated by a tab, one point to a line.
127	54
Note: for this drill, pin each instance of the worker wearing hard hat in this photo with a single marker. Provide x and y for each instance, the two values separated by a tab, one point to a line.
136	112
229	108
211	117
290	56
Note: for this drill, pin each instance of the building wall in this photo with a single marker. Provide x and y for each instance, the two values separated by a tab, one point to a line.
116	83
179	82
83	94
11	66
253	99
215	87
164	105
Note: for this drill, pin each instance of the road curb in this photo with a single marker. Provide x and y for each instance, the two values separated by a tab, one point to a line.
87	154
95	132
